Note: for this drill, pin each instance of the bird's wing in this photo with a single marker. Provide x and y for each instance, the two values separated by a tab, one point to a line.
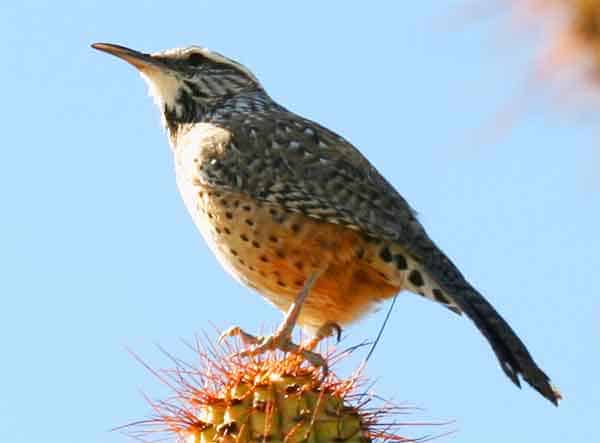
298	164
306	168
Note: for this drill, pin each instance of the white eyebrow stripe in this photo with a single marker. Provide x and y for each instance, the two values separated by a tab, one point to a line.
179	53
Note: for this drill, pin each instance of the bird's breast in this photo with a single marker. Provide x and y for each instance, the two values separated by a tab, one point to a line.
273	250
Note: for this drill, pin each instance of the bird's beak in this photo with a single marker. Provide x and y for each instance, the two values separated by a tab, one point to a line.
143	62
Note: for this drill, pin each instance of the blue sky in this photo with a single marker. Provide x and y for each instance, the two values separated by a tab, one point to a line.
97	252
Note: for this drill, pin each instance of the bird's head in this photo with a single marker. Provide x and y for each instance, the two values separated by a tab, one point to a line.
185	81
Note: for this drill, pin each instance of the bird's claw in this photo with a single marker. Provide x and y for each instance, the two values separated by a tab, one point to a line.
247	339
281	341
328	329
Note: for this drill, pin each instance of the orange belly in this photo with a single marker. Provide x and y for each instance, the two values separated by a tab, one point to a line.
274	252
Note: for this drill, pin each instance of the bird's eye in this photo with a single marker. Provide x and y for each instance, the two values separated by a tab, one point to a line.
196	59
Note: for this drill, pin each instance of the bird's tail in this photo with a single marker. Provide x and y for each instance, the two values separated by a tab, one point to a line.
512	354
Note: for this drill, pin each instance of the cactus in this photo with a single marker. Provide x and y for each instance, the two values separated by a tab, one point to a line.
278	407
274	398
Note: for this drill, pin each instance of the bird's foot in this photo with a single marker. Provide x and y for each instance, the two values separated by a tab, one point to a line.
281	340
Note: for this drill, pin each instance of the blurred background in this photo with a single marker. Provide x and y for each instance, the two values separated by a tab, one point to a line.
456	104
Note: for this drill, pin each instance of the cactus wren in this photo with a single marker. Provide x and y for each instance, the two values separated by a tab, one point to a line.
294	211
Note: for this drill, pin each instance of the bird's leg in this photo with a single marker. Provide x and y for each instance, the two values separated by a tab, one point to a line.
282	338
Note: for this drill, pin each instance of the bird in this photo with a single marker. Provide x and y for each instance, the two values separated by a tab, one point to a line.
294	211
